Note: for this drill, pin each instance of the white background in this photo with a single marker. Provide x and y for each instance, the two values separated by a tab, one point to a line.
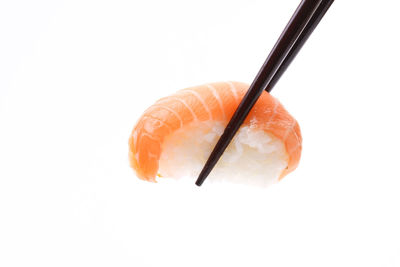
75	76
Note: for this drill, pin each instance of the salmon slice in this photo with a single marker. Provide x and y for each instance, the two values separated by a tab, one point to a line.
209	102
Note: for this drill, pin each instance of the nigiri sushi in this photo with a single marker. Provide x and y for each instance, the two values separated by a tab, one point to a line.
174	137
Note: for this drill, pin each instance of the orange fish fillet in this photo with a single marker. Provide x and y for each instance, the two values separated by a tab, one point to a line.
214	101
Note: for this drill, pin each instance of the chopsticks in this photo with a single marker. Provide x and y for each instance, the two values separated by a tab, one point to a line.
306	17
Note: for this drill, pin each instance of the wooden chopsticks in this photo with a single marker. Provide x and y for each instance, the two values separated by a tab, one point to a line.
306	17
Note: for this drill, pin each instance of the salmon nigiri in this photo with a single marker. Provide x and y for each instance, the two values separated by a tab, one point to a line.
175	136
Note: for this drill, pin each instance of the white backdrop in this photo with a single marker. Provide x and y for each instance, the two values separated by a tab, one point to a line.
75	76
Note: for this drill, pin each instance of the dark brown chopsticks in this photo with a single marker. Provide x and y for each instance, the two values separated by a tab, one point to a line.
306	17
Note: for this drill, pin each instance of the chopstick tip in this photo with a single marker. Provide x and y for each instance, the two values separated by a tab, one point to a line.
202	176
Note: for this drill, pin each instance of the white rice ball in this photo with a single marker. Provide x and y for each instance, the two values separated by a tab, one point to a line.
254	157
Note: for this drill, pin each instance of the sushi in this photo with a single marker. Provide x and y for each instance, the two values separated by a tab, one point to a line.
174	137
